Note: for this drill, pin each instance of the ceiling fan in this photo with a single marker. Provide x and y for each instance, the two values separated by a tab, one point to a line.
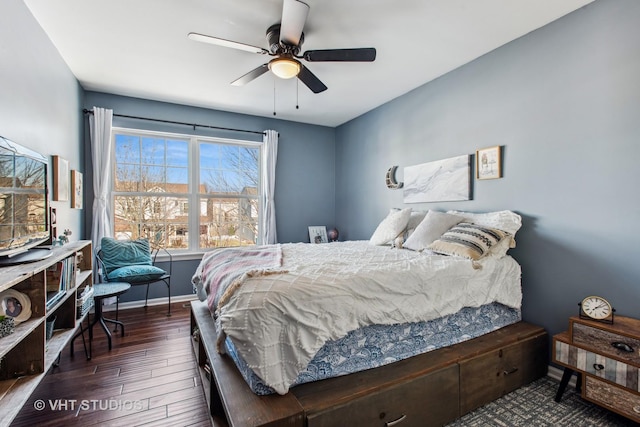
285	40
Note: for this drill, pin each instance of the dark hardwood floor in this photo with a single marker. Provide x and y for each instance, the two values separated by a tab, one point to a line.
149	378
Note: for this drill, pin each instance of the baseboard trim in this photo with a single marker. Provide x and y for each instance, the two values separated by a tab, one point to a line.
153	301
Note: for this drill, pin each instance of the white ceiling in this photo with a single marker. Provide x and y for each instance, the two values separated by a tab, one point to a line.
140	48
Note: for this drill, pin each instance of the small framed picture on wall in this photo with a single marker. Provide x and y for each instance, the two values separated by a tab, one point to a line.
489	163
318	234
60	179
76	189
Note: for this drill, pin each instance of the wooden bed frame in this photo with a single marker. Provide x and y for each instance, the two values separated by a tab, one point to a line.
430	389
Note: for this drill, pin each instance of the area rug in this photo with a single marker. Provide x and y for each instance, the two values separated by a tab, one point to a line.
534	405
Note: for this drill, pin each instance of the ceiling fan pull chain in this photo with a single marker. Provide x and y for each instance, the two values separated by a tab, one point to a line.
297	100
274	96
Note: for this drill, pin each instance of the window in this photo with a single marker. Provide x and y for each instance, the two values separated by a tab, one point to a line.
158	176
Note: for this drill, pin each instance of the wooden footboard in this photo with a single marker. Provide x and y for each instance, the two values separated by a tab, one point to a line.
231	401
430	389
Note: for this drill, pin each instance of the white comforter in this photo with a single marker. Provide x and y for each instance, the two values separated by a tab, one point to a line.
279	321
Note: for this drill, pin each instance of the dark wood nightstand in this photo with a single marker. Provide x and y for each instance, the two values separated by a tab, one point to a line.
607	357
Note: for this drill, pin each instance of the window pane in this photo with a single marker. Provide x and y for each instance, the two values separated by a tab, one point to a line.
127	149
226	169
153	179
178	236
127	178
154	208
153	151
127	217
178	176
178	153
229	222
167	235
161	219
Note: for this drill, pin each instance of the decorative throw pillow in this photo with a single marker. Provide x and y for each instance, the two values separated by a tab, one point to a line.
415	219
135	273
503	220
467	240
391	227
123	253
431	228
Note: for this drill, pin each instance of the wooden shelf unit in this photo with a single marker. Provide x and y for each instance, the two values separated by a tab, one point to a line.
26	355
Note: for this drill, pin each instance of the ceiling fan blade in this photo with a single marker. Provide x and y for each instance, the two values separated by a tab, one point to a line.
226	43
366	54
251	75
310	79
294	15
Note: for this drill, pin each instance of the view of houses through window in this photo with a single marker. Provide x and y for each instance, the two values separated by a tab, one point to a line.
185	192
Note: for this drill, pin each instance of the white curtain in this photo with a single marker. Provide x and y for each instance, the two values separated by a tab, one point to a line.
268	184
100	126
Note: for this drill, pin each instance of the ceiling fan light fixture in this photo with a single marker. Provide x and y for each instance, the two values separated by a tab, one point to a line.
285	68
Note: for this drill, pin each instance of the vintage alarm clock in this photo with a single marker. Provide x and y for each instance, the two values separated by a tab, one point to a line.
596	308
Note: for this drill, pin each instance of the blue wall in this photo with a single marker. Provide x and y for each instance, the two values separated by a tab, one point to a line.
40	99
564	102
305	176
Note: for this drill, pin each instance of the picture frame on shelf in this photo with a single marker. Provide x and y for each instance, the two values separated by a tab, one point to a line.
76	189
489	163
60	179
16	305
318	234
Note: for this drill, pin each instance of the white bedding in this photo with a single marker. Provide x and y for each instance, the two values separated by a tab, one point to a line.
278	322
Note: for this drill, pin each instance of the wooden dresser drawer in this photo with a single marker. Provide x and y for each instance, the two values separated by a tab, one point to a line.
607	342
595	364
491	375
619	400
430	400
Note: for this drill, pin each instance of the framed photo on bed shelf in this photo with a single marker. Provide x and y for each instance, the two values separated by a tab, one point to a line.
318	234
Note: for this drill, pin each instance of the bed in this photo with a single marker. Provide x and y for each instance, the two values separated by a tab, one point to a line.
289	316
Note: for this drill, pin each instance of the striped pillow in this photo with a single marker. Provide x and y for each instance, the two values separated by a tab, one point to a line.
468	240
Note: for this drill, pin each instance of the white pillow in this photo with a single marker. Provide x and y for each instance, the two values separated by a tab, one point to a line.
503	220
434	225
414	220
390	227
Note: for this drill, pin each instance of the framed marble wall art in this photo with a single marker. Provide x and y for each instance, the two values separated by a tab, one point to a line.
489	163
444	180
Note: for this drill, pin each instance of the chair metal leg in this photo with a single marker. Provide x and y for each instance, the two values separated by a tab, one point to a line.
84	343
146	296
169	292
115	329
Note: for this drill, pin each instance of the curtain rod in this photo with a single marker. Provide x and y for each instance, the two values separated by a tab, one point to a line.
194	125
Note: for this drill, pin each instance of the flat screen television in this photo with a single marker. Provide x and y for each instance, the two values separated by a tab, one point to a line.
24	204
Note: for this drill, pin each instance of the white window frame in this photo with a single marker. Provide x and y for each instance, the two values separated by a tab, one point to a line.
193	196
